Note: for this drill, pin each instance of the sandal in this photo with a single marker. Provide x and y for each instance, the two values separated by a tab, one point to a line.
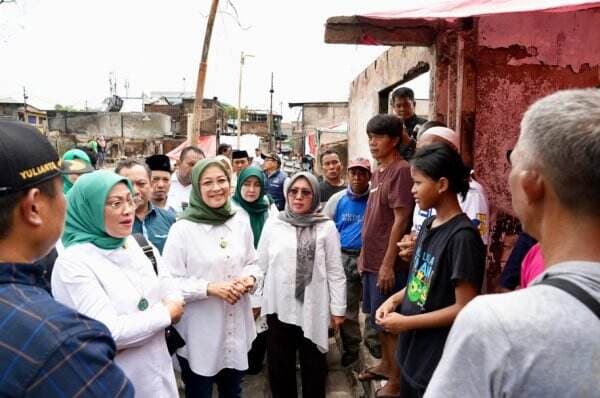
368	375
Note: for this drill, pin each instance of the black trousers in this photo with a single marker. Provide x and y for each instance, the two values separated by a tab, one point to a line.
283	340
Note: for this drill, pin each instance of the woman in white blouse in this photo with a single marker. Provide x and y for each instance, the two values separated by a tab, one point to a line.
211	255
103	273
304	289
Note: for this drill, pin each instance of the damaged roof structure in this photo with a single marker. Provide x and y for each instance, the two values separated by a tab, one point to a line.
488	61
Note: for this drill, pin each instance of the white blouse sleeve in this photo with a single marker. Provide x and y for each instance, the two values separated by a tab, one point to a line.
168	287
250	266
88	296
336	277
174	256
262	254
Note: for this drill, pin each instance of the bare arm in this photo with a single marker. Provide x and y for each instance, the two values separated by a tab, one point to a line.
444	317
386	278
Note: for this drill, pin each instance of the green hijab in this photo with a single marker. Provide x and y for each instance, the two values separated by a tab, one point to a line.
257	210
85	210
200	212
72	154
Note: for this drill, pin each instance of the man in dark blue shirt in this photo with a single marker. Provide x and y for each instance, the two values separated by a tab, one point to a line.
151	221
347	209
46	349
274	179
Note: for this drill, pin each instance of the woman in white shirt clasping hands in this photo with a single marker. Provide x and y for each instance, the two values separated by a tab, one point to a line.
211	255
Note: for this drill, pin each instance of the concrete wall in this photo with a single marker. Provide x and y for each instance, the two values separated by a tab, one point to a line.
132	125
397	65
522	58
326	115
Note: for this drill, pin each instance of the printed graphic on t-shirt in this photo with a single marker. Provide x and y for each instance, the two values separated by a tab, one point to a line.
352	218
420	280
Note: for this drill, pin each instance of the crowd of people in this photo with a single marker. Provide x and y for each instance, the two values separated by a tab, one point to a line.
110	280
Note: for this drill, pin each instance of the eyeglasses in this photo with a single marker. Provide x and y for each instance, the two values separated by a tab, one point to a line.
120	204
304	193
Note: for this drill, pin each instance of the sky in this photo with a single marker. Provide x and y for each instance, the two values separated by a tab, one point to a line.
63	51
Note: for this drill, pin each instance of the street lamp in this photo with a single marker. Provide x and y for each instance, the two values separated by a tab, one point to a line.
239	110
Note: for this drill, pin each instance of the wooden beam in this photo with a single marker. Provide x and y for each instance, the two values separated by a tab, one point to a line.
388	32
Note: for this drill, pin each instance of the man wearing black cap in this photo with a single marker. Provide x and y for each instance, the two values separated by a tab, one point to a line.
274	179
240	160
160	180
46	349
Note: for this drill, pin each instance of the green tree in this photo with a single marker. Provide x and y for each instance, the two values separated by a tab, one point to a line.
67	108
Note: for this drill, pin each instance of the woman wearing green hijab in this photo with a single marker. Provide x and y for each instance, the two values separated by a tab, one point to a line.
251	200
104	274
210	252
78	163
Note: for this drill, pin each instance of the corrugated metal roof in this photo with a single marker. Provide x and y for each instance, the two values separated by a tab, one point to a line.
418	25
468	8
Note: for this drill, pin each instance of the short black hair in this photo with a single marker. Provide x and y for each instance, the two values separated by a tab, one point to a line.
441	160
403	92
386	124
129	163
223	148
187	149
329	152
9	202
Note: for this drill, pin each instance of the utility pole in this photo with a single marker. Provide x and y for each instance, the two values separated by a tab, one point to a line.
270	117
239	107
199	100
25	97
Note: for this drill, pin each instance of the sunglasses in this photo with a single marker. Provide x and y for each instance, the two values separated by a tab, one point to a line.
304	193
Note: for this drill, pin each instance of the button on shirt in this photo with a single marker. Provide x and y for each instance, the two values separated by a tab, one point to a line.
107	285
178	195
325	295
48	350
155	226
218	335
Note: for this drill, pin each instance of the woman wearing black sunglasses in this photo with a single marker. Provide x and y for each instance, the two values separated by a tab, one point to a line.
304	290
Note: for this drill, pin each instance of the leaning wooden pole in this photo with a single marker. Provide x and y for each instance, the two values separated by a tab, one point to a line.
194	132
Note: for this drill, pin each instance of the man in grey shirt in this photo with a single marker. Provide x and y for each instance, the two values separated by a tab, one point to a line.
541	341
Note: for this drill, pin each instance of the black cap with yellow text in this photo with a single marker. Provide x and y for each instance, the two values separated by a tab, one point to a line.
27	158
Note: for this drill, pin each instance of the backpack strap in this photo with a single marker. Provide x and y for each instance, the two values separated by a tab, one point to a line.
567	286
147	249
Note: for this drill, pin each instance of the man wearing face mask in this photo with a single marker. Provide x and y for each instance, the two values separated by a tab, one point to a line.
181	181
151	221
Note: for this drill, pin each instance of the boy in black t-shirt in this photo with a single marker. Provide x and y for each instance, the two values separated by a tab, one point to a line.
446	271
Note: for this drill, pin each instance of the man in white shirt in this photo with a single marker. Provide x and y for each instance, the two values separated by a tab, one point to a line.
541	341
258	160
181	180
